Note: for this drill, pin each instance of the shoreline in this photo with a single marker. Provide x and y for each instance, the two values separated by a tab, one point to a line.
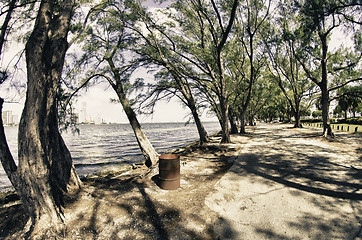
102	147
9	195
127	180
238	190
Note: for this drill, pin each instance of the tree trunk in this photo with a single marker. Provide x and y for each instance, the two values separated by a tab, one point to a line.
233	127
296	113
224	120
327	130
145	145
6	157
187	94
297	124
200	128
242	122
46	171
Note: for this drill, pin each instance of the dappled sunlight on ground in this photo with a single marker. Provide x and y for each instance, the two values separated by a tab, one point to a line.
292	184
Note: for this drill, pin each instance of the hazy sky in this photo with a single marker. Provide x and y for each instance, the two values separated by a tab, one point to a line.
98	97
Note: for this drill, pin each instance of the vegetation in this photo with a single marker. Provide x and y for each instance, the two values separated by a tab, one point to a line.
241	59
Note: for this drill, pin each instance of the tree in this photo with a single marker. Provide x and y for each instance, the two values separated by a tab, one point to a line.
249	25
205	27
45	173
5	155
107	55
4	27
318	19
349	99
284	67
155	47
263	94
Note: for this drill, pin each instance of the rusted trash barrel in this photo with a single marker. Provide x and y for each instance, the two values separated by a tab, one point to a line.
169	171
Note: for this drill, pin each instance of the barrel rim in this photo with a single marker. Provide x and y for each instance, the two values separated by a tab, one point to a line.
169	156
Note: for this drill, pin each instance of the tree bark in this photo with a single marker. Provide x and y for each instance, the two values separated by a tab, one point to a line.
242	122
185	90
225	138
6	157
297	124
145	145
233	127
46	172
327	130
200	127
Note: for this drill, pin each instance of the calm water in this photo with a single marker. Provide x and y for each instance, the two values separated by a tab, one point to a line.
98	147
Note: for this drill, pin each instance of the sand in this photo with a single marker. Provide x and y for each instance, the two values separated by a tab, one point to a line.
275	182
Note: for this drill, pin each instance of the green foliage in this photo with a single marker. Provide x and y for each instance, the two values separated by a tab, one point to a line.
317	114
357	121
350	100
67	119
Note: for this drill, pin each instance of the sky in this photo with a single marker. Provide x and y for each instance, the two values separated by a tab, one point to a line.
97	98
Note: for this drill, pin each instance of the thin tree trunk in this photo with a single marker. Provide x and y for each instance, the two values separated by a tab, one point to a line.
242	122
46	172
200	127
6	157
224	120
184	88
327	130
233	127
145	145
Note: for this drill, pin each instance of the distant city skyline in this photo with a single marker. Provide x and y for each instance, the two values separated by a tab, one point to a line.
9	118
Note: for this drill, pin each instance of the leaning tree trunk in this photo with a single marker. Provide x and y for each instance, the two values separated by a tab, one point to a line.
200	127
46	172
145	145
186	92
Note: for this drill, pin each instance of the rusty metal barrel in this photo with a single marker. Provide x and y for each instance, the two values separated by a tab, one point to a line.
169	171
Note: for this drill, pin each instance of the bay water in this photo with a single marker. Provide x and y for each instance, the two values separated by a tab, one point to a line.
98	147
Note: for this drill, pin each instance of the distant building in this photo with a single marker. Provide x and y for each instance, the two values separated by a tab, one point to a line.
8	118
15	119
83	113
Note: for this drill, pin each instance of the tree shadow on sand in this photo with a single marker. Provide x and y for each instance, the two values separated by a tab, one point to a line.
136	208
308	168
126	211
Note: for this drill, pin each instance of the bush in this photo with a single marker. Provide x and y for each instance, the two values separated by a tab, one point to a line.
314	120
356	121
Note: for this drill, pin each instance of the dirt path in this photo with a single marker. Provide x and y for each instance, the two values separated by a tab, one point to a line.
124	208
291	184
276	182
